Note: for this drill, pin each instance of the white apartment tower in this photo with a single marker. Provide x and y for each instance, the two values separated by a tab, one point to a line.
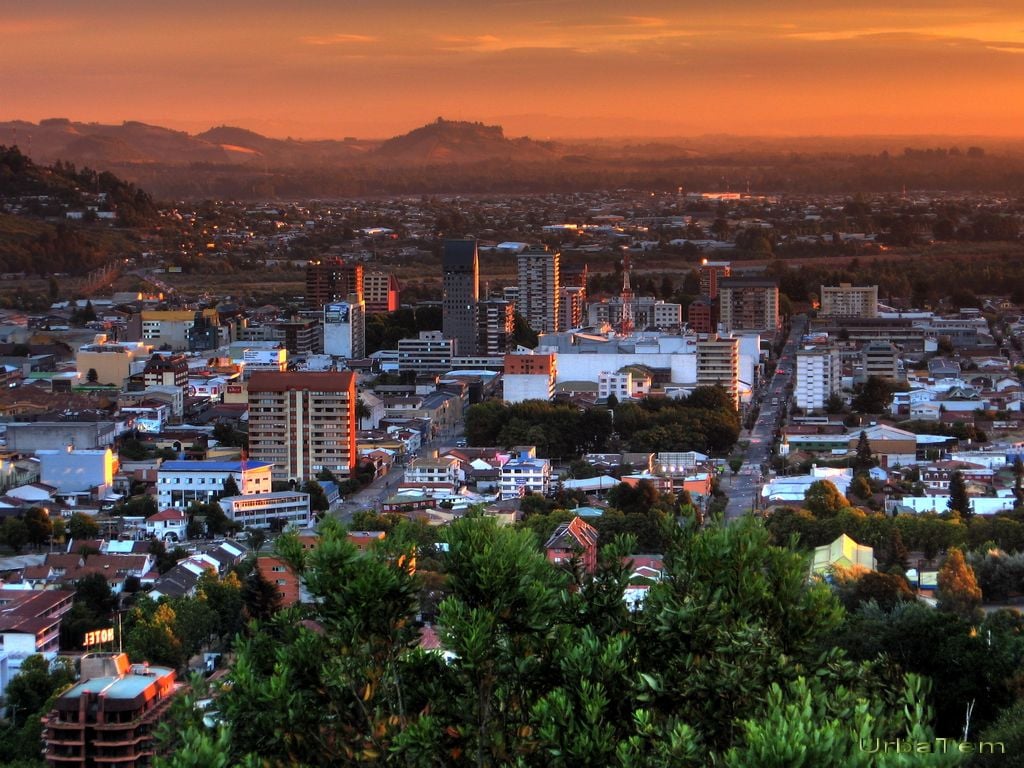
718	363
539	296
818	374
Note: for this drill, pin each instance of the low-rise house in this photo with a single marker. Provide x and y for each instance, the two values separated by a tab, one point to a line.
168	525
575	540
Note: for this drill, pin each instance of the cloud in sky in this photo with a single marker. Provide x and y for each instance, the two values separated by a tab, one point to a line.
737	66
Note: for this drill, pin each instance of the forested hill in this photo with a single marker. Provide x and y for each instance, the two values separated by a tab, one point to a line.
61	219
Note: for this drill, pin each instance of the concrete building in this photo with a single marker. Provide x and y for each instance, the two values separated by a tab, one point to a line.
77	471
330	280
882	359
700	316
818	377
112	363
529	377
303	423
169	327
525	473
537	270
300	335
748	304
163	370
261	510
846	300
718	364
28	437
380	292
179	483
110	716
647	313
571	307
496	326
431	352
345	328
711	274
461	292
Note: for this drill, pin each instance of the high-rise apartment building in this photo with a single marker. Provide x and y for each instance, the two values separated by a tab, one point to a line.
303	423
846	300
818	377
345	328
332	279
718	363
380	292
539	295
496	323
711	274
571	306
461	292
748	304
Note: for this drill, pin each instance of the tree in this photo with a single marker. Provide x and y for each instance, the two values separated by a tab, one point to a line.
81	526
874	396
317	497
958	589
1018	479
835	403
865	460
151	635
38	526
230	487
860	487
14	533
959	501
823	499
92	376
735	464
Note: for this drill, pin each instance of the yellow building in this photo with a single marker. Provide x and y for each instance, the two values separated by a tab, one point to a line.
111	362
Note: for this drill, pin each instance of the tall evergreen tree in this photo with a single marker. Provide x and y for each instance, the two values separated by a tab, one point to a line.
959	501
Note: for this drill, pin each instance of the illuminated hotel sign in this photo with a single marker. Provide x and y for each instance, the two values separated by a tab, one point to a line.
98	636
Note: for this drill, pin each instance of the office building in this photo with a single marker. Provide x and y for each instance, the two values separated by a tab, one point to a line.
818	374
300	335
881	359
718	364
461	292
748	304
109	718
711	274
173	328
303	423
380	292
345	328
430	352
180	483
332	279
264	510
111	363
700	316
846	300
538	299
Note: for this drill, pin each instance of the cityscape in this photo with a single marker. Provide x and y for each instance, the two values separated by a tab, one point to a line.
553	431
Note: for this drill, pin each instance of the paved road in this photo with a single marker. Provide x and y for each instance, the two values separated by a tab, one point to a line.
746	485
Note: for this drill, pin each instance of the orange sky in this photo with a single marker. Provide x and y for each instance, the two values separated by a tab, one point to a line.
374	68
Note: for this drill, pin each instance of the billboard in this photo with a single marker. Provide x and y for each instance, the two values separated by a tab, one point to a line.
336	313
150	426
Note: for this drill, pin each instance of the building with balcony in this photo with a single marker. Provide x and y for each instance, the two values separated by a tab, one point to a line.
748	304
179	483
818	377
303	423
846	300
109	718
264	510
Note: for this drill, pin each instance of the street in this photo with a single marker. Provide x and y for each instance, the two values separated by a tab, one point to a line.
744	487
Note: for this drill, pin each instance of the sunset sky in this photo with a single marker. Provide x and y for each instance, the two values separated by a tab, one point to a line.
558	68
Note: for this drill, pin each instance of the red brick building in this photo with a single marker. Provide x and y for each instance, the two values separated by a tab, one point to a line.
575	539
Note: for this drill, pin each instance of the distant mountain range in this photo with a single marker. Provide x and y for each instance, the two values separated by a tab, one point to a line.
449	156
133	143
